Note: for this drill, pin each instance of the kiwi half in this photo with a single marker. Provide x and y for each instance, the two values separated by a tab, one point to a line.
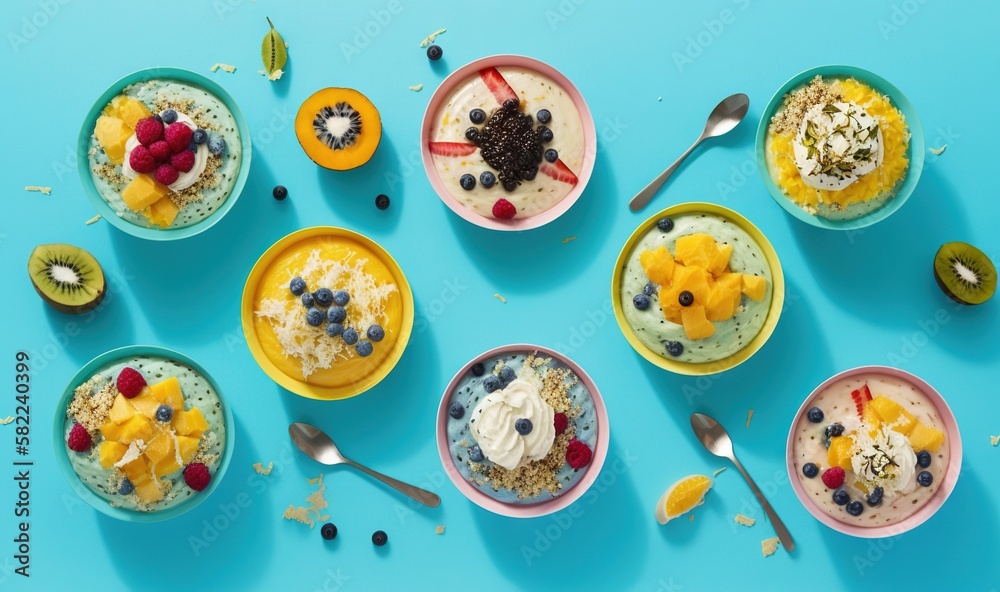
66	277
964	273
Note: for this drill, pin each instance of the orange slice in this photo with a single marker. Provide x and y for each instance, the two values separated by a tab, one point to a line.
682	497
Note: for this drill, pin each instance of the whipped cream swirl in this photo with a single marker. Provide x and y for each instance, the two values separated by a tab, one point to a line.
884	459
494	419
836	144
184	180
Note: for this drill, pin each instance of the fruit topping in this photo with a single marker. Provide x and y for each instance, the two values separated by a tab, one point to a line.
350	336
523	426
126	487
543	116
964	273
199	136
649	289
196	476
815	415
130	382
682	497
551	155
178	136
165	174
545	135
280	192
477	116
810	470
217	146
478	369
855	508
833	430
336	314
640	301
833	477
148	131
323	296
67	278
308	299
875	497
376	333
841	497
685	298
924	478
924	459
861	396
504	210
487	179
471	134
183	161
328	531
491	383
451	148
334	329
674	348
341	297
561	422
468	182
665	224
164	413
168	116
315	316
578	454
364	348
558	171
497	85
434	52
141	160
382	201
475	453
456	410
297	286
79	439
339	128
379	538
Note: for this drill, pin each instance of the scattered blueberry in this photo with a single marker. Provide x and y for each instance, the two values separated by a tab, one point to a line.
649	289
328	531
551	155
126	487
640	301
665	224
472	134
476	453
199	136
511	104
875	497
510	185
815	415
545	134
456	410
810	470
382	201
379	537
925	478
157	117
507	375
434	52
543	116
523	426
468	182
855	508
334	329
674	348
350	335
833	430
477	116
323	296
341	297
169	116
924	459
529	175
217	146
491	383
164	413
487	179
336	314
280	192
297	286
685	298
376	333
364	348
315	316
307	299
841	497
478	369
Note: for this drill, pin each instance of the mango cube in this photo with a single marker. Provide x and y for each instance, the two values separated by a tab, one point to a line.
121	410
924	437
754	286
166	466
149	492
721	262
143	192
145	403
187	447
692	279
658	265
130	110
111	431
159	448
839	454
111	452
168	392
138	427
696	323
136	470
162	213
186	422
112	133
893	414
719	305
696	250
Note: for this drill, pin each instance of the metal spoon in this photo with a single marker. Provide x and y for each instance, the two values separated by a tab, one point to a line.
320	447
723	119
714	437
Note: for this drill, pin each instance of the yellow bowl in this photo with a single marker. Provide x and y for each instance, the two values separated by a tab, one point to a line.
703	368
291	383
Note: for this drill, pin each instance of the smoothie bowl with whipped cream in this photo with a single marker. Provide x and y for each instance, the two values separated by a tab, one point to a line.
522	431
167	153
697	289
874	452
508	142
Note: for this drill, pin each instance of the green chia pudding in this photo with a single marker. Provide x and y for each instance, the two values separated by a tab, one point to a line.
126	156
140	447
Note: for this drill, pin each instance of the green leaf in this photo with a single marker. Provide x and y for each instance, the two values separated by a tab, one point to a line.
831	108
273	50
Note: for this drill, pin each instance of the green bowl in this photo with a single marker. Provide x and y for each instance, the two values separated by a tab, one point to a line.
914	151
83	146
59	431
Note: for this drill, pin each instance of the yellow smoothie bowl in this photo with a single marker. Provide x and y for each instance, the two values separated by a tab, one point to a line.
350	374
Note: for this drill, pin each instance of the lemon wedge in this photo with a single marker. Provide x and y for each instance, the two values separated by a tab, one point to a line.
682	497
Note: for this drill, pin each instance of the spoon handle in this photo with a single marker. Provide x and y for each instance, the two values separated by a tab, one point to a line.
642	198
779	526
421	495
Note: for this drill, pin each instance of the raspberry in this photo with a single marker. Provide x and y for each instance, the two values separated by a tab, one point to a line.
165	174
148	131
130	383
160	150
833	477
578	454
504	210
178	136
183	161
79	439
196	476
141	160
561	423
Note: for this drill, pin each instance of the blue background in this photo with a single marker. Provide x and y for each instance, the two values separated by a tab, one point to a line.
865	297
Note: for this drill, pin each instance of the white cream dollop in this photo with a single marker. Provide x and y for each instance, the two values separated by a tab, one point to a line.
495	416
885	459
184	180
836	144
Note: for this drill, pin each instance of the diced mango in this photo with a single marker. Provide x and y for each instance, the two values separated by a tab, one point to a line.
130	110
145	403
142	192
160	447
138	427
692	279
166	466
754	286
111	431
112	133
839	454
658	265
893	414
136	470
696	323
718	266
696	250
111	452
924	437
168	392
871	417
149	492
186	422
121	410
187	446
719	306
162	213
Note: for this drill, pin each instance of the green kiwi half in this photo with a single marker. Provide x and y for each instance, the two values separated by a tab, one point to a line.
67	277
964	273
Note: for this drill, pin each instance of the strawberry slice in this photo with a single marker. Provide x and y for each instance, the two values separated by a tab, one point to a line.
859	401
494	81
451	148
558	171
867	393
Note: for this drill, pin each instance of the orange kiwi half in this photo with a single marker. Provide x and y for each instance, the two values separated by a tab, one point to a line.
339	128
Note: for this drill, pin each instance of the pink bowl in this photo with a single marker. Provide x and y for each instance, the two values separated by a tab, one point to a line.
589	135
541	508
936	500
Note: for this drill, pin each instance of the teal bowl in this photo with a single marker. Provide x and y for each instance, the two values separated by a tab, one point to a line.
83	146
914	151
59	433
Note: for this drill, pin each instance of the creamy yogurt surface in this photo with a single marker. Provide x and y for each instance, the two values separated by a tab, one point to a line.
836	144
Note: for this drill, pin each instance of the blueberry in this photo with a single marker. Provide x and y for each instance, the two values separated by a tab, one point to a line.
487	179
468	182
350	336
376	333
855	508
674	348
297	286
364	348
507	375
334	329
685	298
509	185
551	155
280	192
491	383
523	426
157	117
476	453
164	413
199	136
649	289
924	459
379	537
434	52
815	415
543	116
169	116
315	316
665	224
511	104
307	299
456	410
875	497
472	134
478	369
217	146
126	487
529	175
810	470
336	314
833	430
328	531
925	478
477	116
341	297
382	201
640	301
545	134
841	497
323	296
